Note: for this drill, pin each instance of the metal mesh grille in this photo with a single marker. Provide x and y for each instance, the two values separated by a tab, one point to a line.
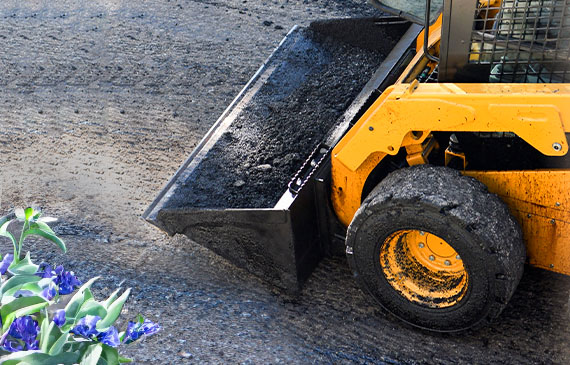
522	41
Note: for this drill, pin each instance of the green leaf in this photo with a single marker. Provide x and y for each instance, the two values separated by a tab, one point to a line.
43	226
77	347
110	354
124	360
45	331
6	218
20	307
52	339
19	303
4	223
28	213
111	298
92	355
36	357
113	312
17	281
23	267
9	296
88	295
92	307
37	215
57	347
47	235
72	308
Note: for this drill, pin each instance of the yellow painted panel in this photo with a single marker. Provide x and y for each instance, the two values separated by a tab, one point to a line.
540	201
538	113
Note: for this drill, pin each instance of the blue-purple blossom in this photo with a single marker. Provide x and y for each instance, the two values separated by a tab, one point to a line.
12	345
22	335
66	280
136	330
86	326
49	291
59	317
109	337
5	264
45	271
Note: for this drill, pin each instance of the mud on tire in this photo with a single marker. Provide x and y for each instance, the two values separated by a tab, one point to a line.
460	211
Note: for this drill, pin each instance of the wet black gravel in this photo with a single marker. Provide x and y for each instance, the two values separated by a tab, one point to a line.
275	132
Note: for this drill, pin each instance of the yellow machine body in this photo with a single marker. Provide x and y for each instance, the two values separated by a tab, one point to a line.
540	202
407	113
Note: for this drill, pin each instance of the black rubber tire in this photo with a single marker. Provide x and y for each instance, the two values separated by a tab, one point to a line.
459	209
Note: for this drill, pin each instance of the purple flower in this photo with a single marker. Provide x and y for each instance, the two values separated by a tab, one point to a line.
12	345
45	271
6	261
86	326
22	335
109	337
25	328
49	291
140	328
66	280
59	317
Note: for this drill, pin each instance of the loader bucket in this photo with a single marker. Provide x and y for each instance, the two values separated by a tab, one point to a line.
255	189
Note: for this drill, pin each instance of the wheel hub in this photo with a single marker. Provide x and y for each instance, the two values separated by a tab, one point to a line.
433	252
423	268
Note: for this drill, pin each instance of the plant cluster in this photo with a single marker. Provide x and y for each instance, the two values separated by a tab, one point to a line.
47	315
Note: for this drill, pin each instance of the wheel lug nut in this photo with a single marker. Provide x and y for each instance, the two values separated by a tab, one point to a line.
431	257
458	257
421	245
422	233
447	263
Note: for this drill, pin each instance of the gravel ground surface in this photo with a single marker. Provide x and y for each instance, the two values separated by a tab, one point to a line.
102	100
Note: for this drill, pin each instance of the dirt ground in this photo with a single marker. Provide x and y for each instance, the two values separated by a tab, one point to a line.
102	100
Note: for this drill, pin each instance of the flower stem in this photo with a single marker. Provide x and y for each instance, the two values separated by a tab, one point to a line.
20	242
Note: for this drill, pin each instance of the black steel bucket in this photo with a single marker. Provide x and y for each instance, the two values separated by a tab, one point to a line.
255	189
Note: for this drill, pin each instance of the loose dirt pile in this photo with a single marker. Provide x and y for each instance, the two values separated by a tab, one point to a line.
303	99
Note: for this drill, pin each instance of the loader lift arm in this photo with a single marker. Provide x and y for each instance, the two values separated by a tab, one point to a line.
406	114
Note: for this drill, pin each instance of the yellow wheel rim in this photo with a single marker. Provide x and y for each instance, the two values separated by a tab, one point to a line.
423	268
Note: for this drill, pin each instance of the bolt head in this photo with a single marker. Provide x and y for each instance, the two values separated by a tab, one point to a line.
421	245
447	263
552	221
422	233
557	146
431	257
458	257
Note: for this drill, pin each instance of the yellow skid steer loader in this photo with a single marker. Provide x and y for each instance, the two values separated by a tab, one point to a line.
431	146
